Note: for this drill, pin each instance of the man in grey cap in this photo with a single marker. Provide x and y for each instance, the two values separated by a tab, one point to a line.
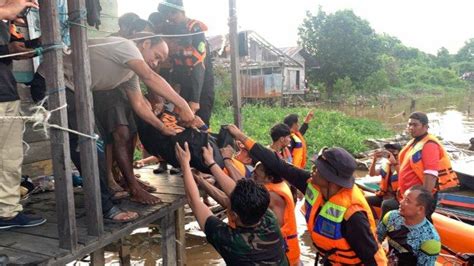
338	217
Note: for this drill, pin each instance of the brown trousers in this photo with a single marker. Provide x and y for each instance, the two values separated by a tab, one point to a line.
11	158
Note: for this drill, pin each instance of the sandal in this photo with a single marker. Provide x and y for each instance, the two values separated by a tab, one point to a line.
114	212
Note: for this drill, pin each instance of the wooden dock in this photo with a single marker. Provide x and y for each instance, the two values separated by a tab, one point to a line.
40	245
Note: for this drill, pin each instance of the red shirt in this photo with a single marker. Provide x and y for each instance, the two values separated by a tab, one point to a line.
430	158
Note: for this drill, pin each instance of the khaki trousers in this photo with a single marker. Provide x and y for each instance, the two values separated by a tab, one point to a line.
11	158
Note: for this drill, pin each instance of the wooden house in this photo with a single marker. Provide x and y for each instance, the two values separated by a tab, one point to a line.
266	71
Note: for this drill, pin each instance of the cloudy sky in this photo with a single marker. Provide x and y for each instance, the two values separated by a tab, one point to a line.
424	24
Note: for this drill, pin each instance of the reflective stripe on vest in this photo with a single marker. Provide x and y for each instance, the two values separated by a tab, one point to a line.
412	154
325	226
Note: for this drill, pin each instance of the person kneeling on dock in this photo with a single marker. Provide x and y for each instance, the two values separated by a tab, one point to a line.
256	239
412	239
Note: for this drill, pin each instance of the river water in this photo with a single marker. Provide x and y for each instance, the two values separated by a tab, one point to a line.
450	117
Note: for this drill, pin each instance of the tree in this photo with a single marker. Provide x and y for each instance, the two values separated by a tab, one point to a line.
443	58
466	53
344	44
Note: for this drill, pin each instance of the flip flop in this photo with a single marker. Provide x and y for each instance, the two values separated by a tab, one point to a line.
113	212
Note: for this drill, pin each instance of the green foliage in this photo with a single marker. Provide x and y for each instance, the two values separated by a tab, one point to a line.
466	53
328	128
348	49
376	82
344	86
222	87
344	44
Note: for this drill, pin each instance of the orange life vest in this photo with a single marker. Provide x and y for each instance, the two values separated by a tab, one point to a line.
411	154
190	56
288	228
325	225
299	151
243	170
389	181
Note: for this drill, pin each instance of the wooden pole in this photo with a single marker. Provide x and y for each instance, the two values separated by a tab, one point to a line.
168	239
180	237
85	118
235	63
54	76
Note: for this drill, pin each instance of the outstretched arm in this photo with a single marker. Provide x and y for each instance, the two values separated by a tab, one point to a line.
227	183
144	111
200	210
228	153
158	85
215	193
295	176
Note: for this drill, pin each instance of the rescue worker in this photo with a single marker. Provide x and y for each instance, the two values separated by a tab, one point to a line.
339	218
191	66
385	196
424	161
298	143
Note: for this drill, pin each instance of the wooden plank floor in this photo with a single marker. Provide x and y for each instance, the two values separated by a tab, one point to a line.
39	245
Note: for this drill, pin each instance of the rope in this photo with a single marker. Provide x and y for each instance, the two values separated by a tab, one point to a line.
147	37
37	51
40	118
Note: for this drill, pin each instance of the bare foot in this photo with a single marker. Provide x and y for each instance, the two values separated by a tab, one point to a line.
114	187
143	197
146	186
138	164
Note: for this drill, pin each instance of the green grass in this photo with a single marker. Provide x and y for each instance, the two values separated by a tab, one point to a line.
328	128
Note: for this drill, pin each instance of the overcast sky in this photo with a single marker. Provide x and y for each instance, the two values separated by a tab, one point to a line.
424	24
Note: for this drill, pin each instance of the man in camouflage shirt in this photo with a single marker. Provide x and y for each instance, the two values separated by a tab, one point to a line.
256	238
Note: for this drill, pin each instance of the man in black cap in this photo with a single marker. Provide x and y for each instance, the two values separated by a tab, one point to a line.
385	196
338	217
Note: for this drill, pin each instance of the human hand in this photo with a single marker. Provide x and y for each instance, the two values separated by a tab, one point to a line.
183	156
309	117
392	159
208	154
378	154
197	122
186	116
234	130
15	7
19	47
227	151
168	131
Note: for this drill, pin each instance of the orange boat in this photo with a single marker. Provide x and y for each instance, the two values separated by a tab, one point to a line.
457	237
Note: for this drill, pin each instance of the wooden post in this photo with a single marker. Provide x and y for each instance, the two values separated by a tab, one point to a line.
235	63
180	237
168	239
59	139
85	119
124	253
97	257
